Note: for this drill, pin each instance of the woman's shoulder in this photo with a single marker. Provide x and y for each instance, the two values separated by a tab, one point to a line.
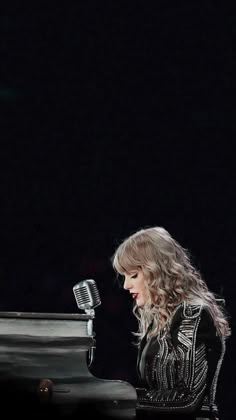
191	310
194	314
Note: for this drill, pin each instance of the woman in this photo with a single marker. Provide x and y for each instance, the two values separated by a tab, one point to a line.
182	327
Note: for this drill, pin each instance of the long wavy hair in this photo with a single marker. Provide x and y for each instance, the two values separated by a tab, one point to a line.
170	279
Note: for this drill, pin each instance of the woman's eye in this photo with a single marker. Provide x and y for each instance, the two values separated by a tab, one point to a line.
134	276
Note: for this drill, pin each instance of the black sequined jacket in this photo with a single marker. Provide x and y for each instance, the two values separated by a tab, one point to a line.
179	370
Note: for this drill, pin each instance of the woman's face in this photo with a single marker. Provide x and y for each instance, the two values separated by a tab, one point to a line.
135	283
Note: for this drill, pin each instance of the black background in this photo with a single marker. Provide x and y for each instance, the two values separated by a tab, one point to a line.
115	117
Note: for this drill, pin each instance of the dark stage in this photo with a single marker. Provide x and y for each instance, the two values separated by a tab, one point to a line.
115	117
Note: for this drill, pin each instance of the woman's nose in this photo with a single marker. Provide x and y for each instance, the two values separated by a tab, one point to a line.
127	284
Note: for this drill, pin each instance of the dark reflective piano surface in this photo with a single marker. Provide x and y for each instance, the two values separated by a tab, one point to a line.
44	369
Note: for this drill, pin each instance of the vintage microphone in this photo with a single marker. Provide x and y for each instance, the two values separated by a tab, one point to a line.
87	295
87	298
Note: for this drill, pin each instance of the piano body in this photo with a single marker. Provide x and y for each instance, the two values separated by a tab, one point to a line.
44	368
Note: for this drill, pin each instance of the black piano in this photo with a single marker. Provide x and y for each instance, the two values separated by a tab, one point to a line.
45	361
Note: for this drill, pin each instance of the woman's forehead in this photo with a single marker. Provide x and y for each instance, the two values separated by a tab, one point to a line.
132	270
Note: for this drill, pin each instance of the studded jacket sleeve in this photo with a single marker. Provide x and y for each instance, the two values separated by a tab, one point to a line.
181	368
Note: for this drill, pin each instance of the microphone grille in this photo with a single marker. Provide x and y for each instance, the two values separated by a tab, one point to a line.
86	294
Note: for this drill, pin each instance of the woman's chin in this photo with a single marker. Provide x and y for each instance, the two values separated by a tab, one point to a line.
140	303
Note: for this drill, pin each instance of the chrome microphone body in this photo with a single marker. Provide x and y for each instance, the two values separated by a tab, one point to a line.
87	295
87	298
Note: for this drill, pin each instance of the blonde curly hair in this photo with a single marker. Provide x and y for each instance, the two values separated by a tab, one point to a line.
170	280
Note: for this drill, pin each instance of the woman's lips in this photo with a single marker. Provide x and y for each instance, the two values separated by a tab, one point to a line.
134	295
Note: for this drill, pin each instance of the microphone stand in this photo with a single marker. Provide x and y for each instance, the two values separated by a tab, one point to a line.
91	313
91	333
